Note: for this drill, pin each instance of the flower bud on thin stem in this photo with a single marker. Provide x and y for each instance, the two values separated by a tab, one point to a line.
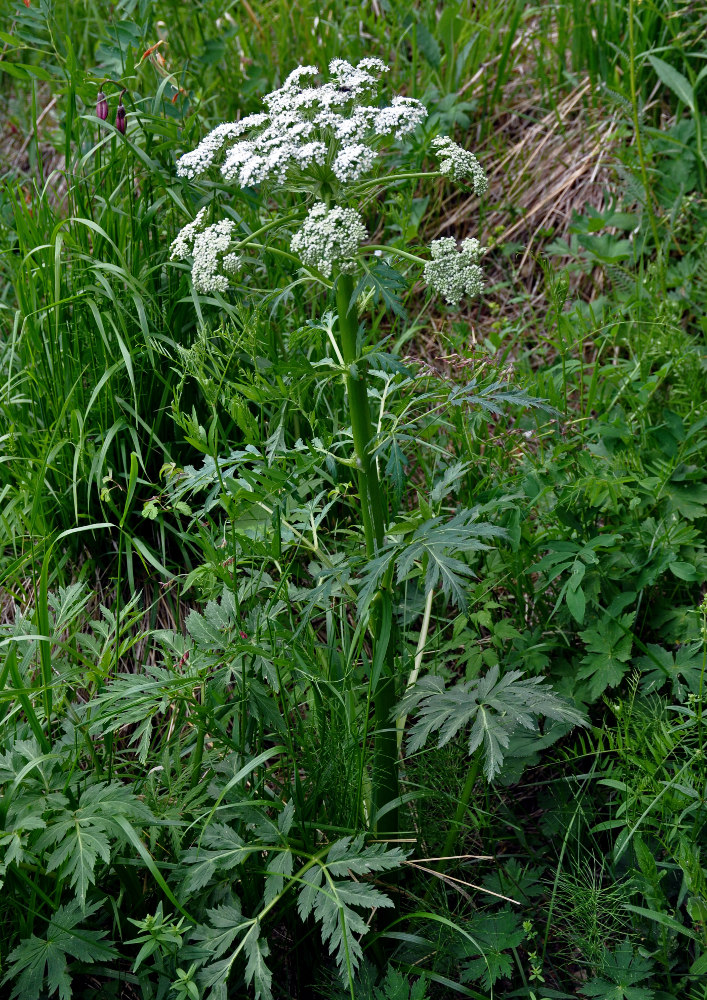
120	115
101	105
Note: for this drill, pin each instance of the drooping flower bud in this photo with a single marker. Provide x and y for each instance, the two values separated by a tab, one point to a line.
120	115
101	105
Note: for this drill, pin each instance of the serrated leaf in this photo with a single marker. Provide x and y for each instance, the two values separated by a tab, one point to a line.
333	901
681	669
383	283
433	542
84	835
428	45
280	866
675	81
495	707
396	986
220	850
37	958
450	481
395	468
609	647
256	971
285	818
621	969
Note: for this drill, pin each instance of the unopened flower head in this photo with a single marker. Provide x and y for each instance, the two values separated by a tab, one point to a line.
459	163
101	105
328	133
452	272
329	237
210	248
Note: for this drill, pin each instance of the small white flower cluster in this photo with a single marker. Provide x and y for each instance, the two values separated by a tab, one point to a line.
459	163
210	248
329	127
454	273
328	237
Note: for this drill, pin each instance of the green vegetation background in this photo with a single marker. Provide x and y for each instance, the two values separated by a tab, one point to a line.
185	740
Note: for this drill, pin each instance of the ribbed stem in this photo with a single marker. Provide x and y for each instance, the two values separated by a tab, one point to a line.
385	775
463	804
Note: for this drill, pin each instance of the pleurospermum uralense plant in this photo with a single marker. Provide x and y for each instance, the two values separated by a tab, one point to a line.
329	143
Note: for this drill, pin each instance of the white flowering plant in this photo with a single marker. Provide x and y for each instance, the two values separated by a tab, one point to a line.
317	159
318	162
327	142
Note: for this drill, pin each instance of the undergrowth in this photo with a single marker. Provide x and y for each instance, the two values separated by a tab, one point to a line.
250	744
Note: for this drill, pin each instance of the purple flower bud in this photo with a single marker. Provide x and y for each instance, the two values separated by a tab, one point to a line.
120	116
101	106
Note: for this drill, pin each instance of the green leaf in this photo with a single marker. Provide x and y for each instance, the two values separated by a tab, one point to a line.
675	81
428	45
622	970
83	835
577	603
396	986
226	922
495	707
684	571
494	935
25	71
609	648
256	971
433	542
682	670
38	958
220	850
661	918
395	468
334	901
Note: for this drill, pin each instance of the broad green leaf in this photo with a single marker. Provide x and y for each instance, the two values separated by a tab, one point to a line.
495	707
675	81
37	959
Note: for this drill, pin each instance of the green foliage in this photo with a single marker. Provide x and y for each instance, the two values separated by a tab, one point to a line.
621	969
187	801
45	960
496	708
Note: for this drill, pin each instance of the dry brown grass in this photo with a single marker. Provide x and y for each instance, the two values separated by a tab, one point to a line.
544	166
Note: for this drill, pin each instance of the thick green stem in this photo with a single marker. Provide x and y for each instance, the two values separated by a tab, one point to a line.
453	833
361	426
385	752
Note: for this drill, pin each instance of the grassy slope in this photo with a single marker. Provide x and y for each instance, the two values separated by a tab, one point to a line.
525	84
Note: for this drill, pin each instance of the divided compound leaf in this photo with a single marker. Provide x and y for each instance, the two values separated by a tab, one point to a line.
432	543
38	958
621	970
226	923
220	850
79	837
334	900
496	708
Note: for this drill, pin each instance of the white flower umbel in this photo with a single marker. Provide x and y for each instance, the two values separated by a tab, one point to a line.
328	237
210	248
182	246
459	163
320	134
455	273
